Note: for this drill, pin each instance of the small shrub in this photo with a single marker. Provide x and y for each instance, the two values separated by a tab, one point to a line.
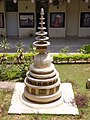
66	49
85	49
76	57
11	57
23	69
1	55
62	57
3	59
65	57
55	58
81	100
20	49
28	56
86	57
4	45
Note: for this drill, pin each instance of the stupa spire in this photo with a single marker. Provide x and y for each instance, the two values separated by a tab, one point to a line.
41	38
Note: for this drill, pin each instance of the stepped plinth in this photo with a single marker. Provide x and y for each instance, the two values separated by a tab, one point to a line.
42	82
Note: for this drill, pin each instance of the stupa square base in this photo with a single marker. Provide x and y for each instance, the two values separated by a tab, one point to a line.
64	105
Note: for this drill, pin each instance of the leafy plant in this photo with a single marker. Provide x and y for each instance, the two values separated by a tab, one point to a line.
20	49
85	49
28	57
66	49
59	57
11	57
23	69
4	45
76	57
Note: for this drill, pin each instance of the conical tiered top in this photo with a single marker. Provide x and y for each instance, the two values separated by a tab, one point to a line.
42	82
41	43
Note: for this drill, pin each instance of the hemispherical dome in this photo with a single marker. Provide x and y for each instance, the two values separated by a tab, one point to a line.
42	61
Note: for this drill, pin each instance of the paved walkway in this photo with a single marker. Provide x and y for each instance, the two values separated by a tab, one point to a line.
7	85
56	43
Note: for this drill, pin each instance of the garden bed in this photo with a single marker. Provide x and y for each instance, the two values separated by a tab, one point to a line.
77	74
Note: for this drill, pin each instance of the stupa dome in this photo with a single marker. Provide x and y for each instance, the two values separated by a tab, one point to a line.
42	61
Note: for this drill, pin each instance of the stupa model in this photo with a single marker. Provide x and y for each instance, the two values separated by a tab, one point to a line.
42	92
42	82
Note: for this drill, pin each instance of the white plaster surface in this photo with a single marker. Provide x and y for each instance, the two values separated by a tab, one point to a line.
64	105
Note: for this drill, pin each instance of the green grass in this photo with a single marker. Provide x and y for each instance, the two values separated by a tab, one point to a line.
1	96
77	74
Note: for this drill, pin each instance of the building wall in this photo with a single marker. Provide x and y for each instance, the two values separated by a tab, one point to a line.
2	30
72	19
83	31
26	7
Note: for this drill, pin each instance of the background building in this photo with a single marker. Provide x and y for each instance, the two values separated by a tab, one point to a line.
62	17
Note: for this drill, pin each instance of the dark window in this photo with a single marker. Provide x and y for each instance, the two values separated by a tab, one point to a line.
85	19
26	20
11	6
1	20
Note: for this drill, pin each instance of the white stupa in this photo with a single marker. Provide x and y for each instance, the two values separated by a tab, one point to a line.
42	82
42	92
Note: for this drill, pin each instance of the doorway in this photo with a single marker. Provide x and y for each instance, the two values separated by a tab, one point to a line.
11	18
12	24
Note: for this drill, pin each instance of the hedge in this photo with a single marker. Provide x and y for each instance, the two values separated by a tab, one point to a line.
71	58
57	58
12	57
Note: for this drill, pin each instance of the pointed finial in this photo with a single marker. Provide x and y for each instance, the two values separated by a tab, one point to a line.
42	11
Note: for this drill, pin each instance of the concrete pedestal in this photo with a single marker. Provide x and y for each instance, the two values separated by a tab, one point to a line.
64	105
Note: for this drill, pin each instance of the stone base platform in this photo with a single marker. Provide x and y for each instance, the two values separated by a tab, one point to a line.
64	105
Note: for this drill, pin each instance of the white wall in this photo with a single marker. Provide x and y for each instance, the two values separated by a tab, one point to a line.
25	32
57	32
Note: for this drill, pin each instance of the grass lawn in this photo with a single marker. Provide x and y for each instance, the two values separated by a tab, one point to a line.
77	74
